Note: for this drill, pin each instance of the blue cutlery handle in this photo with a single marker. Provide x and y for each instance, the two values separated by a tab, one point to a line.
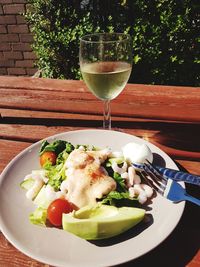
170	173
192	199
179	176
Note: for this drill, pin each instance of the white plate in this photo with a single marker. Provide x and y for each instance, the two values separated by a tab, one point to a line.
59	248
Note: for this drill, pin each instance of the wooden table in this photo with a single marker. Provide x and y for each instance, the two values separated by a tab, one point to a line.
169	117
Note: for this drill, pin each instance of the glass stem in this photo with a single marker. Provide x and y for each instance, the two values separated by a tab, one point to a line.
106	115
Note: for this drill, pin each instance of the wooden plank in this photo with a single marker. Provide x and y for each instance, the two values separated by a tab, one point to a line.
8	150
136	91
34	114
10	257
72	85
174	147
131	93
165	107
31	133
7	114
190	166
29	83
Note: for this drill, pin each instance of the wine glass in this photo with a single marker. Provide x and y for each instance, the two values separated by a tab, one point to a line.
106	64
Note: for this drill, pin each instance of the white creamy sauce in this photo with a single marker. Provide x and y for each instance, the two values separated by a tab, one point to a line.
51	195
86	180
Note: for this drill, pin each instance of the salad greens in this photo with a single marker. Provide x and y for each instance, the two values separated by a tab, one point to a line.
39	216
119	199
56	174
57	146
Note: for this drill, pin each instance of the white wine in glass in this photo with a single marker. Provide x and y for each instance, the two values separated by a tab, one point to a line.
106	63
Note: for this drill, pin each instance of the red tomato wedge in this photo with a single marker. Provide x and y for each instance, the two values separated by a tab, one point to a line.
56	209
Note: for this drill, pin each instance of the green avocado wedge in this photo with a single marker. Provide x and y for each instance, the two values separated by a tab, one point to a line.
101	221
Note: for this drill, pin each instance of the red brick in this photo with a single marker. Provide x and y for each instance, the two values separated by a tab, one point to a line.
3	29
16	71
26	38
18	29
24	63
9	37
19	1
7	19
13	55
29	55
5	47
3	71
31	71
5	1
6	63
20	19
22	47
13	9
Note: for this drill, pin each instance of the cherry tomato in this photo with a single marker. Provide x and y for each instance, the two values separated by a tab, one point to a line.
56	209
48	156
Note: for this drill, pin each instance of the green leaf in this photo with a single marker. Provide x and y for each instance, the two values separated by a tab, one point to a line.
38	217
56	175
119	199
57	146
120	182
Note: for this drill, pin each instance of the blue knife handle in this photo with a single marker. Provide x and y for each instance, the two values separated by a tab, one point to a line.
170	173
179	176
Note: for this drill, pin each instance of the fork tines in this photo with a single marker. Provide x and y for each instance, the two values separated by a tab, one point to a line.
156	173
157	181
150	182
153	181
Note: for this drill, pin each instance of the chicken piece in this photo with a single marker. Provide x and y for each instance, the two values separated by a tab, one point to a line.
101	155
78	159
87	180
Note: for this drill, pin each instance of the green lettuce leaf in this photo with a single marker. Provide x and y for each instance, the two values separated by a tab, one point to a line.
57	146
56	175
115	198
38	217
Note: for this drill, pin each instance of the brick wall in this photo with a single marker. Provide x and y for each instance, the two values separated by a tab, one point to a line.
16	56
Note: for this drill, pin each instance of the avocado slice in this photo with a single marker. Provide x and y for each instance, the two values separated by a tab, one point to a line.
101	221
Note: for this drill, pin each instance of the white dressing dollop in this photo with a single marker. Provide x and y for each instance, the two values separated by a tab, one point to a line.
137	153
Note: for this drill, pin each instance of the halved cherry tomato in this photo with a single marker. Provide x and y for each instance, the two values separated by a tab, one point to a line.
56	209
48	156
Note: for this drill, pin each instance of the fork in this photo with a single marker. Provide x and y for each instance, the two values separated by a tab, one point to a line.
175	192
169	173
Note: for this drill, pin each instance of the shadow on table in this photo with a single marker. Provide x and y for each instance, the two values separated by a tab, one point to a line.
136	230
180	135
179	248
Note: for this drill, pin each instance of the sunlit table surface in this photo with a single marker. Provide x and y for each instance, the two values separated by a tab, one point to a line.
167	116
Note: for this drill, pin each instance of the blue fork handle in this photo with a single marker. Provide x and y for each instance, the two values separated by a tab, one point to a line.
192	199
179	176
170	173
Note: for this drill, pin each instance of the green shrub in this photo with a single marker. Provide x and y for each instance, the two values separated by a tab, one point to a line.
164	33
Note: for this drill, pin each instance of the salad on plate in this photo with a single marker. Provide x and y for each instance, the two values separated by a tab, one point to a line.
91	192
